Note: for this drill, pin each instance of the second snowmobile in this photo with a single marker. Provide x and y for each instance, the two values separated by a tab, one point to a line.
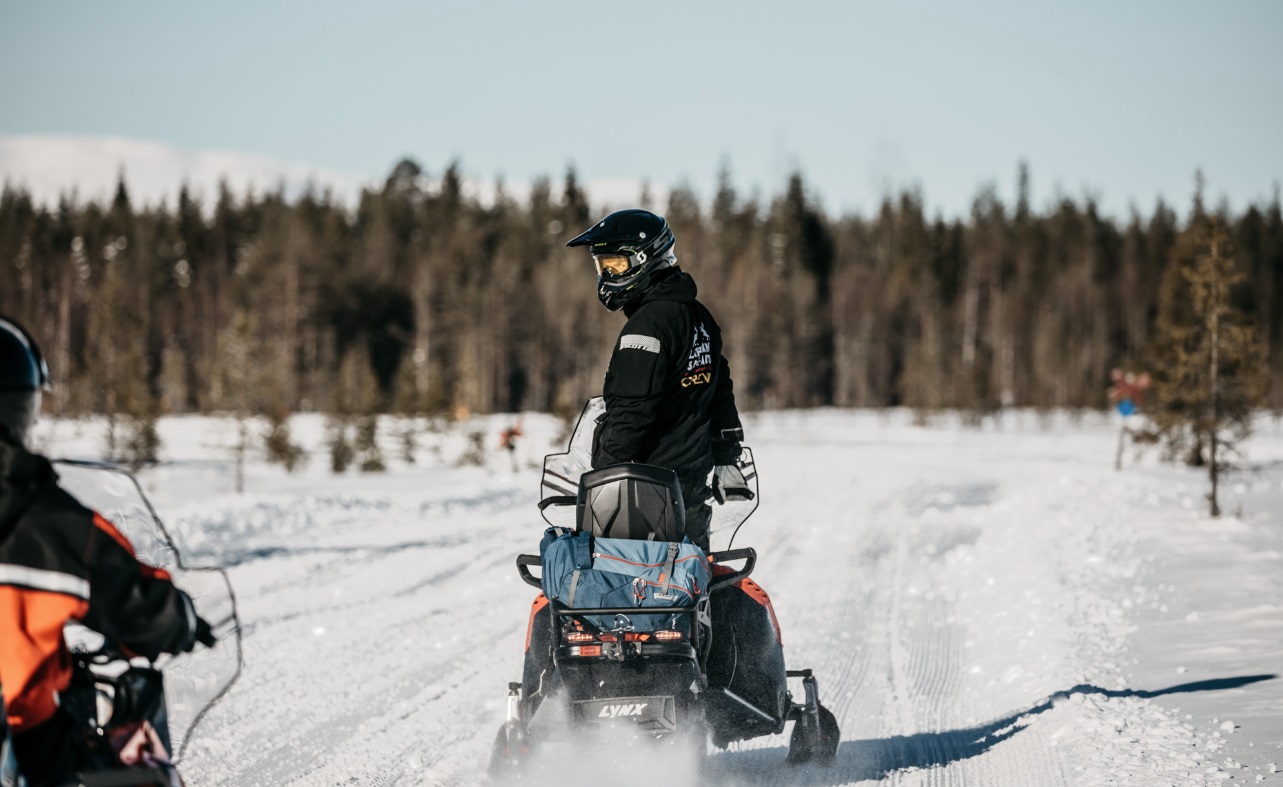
133	717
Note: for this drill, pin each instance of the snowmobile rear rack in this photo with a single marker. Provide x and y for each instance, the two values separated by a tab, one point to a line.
726	580
523	568
617	652
525	562
566	612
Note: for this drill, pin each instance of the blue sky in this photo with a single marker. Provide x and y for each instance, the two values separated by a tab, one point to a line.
1122	100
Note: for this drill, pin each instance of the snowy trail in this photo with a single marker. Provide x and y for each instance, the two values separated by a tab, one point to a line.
981	607
888	645
361	633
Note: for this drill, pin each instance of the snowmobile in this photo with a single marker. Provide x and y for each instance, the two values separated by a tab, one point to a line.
134	717
638	633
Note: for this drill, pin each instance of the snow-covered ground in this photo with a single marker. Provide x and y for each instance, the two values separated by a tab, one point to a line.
982	606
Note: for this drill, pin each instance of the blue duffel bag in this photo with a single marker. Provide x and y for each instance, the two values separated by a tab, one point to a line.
583	572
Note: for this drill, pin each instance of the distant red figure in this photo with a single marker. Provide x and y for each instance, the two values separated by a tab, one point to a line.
508	441
1128	391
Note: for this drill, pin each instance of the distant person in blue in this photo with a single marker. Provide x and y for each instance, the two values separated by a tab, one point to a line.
1128	390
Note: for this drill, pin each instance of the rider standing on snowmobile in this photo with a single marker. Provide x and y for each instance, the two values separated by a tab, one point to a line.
61	562
668	391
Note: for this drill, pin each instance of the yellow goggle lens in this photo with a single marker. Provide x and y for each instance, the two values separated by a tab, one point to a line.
613	264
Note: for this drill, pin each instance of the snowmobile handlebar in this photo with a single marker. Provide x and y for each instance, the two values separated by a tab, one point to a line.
747	554
105	653
558	500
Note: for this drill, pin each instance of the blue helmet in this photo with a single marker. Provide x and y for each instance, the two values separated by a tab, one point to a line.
23	375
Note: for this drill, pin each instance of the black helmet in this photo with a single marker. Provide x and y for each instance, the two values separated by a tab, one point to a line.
629	248
23	375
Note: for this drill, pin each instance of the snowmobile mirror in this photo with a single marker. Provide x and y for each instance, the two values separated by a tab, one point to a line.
559	510
558	500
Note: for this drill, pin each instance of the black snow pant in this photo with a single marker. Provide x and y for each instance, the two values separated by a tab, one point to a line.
698	519
46	753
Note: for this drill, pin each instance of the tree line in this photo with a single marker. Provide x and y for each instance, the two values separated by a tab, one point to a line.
422	299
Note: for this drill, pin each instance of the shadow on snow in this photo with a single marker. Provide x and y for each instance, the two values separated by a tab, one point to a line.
862	760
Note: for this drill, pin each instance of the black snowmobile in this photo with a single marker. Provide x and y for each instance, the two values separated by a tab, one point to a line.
652	652
134	717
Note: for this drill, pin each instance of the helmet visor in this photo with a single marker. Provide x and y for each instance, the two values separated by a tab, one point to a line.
611	265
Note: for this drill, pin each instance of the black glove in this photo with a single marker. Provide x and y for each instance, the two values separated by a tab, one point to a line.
205	634
726	446
729	484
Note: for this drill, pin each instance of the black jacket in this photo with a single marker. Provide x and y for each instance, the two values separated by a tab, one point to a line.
60	561
669	397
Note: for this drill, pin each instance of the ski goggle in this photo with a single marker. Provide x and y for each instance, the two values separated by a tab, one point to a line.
614	265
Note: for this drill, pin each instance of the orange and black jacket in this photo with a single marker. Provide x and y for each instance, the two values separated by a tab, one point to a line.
61	562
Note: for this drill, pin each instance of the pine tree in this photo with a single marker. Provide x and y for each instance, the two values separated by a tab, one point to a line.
452	302
1209	374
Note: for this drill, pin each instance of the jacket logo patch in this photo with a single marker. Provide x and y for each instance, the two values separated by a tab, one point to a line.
635	341
699	378
701	351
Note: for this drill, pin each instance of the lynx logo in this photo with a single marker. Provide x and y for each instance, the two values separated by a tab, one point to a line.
657	714
620	711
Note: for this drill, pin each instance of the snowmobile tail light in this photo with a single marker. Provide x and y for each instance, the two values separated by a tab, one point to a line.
586	650
668	636
578	637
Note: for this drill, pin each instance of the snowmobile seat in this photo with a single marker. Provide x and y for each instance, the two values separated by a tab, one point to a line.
633	501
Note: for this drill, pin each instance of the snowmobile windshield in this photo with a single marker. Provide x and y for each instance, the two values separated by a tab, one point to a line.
193	681
561	472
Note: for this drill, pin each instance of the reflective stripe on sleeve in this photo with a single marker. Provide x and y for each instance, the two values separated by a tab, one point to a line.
41	579
635	341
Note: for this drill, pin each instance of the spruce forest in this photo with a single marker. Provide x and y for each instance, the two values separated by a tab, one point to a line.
422	300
